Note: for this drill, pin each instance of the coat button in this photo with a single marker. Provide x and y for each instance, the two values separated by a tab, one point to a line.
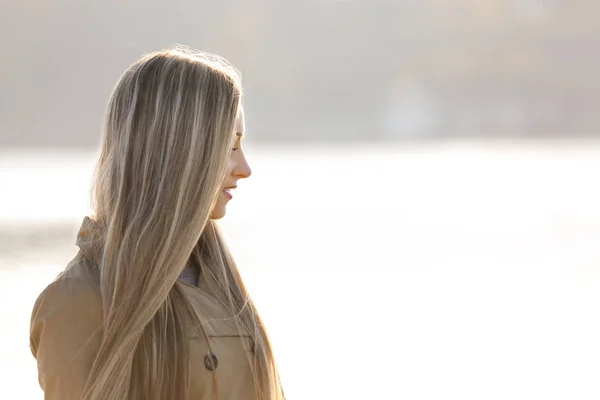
211	362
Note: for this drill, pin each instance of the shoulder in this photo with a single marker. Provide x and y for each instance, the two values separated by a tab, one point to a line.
66	332
76	287
68	307
68	292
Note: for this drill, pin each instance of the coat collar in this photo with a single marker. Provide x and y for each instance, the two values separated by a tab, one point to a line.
88	238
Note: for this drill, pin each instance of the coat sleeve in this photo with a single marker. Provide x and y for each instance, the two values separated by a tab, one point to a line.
65	335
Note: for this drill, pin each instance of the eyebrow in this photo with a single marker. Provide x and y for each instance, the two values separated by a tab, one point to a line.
239	134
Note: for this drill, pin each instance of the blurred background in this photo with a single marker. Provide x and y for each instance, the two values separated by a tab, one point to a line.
422	221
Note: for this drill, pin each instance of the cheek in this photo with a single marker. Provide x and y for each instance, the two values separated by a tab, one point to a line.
230	167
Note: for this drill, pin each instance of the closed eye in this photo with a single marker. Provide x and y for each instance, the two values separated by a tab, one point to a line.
238	141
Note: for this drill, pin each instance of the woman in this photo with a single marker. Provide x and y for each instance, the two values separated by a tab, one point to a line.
152	306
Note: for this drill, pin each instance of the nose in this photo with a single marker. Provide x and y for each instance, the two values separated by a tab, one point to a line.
242	168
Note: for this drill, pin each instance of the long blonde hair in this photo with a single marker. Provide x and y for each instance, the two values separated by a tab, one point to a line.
168	136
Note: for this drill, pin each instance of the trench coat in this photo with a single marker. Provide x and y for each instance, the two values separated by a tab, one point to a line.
66	333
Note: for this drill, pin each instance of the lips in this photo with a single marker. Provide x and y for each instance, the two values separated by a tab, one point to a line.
228	190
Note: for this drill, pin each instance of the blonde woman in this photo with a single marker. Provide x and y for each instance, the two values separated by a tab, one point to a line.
153	307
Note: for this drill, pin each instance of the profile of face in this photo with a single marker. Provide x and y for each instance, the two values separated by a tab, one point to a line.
237	168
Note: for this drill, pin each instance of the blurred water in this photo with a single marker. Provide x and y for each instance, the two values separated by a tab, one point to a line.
463	270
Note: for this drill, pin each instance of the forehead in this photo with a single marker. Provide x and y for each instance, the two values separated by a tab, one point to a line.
240	123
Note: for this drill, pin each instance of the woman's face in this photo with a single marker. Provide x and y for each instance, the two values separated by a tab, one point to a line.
237	168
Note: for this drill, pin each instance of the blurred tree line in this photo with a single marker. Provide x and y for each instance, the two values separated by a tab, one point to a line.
315	70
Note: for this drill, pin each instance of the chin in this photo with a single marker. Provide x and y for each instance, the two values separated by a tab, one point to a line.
218	214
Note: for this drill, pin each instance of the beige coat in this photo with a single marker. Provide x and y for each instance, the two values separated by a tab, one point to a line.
66	330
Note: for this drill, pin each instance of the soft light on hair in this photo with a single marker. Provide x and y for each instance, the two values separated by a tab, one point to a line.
168	136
